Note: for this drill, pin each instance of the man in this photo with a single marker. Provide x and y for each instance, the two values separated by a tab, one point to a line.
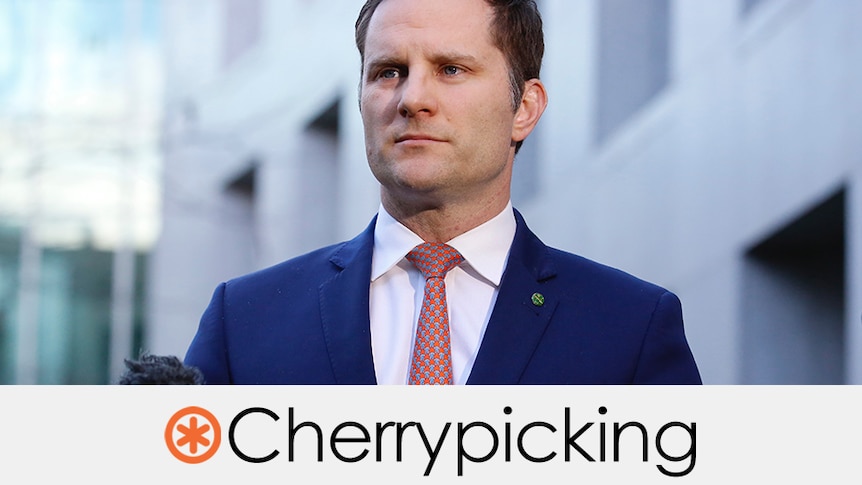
449	91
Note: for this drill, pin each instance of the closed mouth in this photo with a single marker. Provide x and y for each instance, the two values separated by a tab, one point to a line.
416	137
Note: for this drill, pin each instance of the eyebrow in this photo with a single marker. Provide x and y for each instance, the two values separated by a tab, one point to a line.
439	58
373	64
454	57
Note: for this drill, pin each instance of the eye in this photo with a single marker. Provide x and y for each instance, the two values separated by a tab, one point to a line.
389	73
452	70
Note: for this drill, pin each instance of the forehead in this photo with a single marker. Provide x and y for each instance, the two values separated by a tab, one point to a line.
445	24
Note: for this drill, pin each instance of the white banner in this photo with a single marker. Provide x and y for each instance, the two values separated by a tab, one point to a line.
395	434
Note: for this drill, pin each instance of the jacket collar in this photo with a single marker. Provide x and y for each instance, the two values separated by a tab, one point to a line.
344	311
519	318
517	322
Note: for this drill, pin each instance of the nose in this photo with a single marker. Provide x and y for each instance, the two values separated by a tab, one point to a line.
417	95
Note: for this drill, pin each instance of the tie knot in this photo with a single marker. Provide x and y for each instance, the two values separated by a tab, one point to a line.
434	259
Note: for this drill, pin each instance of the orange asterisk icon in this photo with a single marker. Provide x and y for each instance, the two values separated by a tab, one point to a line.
193	435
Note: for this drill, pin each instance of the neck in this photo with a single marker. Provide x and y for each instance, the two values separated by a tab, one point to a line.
442	222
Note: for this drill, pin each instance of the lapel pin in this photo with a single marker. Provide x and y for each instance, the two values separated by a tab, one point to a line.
538	299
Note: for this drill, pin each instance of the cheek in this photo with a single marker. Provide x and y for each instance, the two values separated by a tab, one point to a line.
367	103
372	126
495	125
375	101
491	107
365	111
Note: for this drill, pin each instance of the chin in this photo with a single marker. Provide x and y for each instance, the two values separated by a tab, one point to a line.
412	171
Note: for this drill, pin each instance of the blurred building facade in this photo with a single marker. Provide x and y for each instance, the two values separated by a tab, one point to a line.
80	108
711	147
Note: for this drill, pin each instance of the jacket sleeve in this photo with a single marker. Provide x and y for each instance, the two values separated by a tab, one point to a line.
665	356
208	350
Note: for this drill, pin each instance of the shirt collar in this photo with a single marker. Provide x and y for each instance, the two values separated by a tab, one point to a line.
485	248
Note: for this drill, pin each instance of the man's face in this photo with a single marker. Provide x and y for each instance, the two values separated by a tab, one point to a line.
436	102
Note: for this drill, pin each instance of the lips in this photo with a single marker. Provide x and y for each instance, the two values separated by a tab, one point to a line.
416	137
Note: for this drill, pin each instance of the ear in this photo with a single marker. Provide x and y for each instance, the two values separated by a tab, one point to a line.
533	104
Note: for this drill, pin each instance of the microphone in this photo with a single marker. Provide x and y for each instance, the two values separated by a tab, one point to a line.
159	370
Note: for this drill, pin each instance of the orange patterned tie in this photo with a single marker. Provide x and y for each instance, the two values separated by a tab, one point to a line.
432	354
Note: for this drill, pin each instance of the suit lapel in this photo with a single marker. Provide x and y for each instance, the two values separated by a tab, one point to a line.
514	330
519	320
344	311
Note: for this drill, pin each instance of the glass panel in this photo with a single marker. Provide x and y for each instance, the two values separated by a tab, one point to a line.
634	43
80	112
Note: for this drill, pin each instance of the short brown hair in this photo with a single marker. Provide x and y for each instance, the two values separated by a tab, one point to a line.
516	30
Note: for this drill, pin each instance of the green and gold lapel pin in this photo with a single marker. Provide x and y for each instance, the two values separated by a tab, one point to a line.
538	299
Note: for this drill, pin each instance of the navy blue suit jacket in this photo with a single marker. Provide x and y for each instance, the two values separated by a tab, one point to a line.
305	321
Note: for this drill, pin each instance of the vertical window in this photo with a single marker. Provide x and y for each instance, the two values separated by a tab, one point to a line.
526	170
242	20
793	301
746	6
633	59
321	172
240	199
10	246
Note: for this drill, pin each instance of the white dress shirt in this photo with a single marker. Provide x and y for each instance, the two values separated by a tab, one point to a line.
397	288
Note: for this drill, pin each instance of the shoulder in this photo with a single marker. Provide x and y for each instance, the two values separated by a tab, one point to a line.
311	265
575	271
313	268
576	268
626	329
